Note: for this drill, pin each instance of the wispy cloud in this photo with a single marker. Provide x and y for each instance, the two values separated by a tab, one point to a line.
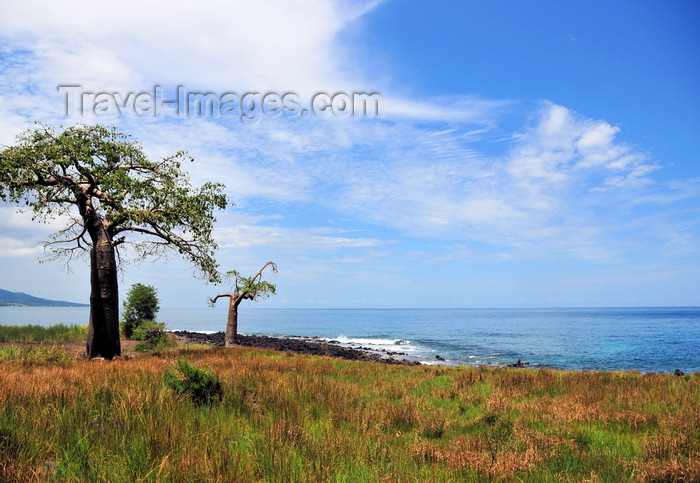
459	178
455	109
220	45
290	240
14	248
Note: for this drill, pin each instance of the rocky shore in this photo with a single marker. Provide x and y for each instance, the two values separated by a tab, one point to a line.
301	345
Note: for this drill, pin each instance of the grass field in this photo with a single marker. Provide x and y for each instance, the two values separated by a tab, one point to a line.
37	333
288	417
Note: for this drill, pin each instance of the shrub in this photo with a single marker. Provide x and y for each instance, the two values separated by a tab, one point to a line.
151	333
203	387
148	331
141	304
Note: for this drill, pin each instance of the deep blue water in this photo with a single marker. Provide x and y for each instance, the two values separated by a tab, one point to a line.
646	339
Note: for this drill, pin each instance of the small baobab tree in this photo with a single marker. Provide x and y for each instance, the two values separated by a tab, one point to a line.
245	288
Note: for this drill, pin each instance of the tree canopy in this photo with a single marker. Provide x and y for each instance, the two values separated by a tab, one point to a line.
141	304
254	287
96	174
106	188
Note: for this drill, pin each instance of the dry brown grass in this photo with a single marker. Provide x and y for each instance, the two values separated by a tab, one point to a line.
301	418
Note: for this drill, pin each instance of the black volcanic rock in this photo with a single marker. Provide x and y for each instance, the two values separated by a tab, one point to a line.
294	344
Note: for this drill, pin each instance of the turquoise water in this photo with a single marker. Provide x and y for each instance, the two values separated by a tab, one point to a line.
646	339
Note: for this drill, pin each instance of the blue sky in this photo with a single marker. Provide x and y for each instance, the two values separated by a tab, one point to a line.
530	154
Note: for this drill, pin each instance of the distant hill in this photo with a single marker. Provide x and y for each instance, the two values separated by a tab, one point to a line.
20	299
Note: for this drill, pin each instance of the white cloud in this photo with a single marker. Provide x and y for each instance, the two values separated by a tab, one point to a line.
461	109
221	44
541	194
14	248
562	142
542	191
463	178
13	218
289	240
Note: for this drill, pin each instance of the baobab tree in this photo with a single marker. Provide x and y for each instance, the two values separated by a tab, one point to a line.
245	288
105	187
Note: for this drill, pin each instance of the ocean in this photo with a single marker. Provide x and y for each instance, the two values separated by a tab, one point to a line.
654	339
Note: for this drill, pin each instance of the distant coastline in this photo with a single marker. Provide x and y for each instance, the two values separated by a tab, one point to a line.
21	299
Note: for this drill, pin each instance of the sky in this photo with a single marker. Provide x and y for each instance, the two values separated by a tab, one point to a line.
526	154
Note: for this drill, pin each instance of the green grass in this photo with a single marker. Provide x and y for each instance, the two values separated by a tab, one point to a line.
36	333
35	355
285	417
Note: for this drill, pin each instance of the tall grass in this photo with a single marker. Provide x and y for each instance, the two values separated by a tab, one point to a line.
40	355
286	417
36	333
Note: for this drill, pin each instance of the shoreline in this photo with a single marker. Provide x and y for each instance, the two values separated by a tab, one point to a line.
331	348
624	339
300	345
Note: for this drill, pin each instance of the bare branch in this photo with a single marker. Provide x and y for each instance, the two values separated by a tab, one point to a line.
259	274
80	236
221	295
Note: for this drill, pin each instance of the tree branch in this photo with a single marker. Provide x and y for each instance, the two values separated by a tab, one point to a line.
221	295
259	274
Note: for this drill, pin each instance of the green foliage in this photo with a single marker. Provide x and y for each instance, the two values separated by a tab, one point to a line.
246	288
203	387
149	331
62	172
152	334
139	311
249	285
141	304
250	288
36	333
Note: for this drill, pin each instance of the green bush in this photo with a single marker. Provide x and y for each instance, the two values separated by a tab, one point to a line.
203	387
152	334
149	331
141	304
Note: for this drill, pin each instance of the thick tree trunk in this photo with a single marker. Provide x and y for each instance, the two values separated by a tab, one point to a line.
103	331
232	323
